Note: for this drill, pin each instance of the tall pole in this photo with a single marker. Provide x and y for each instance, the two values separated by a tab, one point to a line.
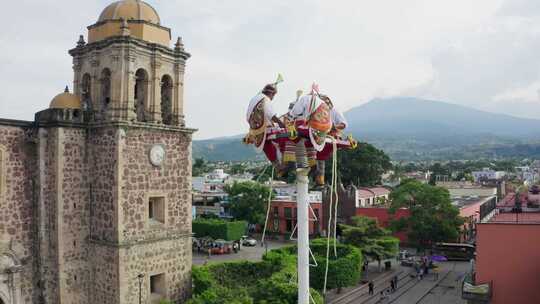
302	203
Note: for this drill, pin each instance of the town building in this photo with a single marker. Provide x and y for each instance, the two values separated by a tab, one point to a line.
473	209
420	176
528	175
473	201
369	197
283	215
507	255
352	199
468	189
209	195
95	192
488	174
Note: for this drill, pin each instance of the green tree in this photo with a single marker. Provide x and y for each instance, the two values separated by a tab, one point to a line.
248	201
362	166
199	167
374	241
433	217
237	169
437	170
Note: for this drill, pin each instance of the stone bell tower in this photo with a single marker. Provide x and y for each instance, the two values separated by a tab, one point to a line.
137	164
126	71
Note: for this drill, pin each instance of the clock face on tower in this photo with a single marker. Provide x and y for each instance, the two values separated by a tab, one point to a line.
157	155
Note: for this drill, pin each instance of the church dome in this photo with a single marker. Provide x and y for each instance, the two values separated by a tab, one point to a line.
130	10
65	100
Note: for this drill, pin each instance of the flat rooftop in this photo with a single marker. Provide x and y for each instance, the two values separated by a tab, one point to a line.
519	218
462	202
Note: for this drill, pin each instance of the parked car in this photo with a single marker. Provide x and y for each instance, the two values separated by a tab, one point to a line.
403	254
248	241
221	247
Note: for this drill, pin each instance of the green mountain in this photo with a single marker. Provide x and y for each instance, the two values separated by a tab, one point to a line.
224	149
415	129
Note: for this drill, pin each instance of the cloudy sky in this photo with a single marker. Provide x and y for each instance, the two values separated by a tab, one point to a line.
483	53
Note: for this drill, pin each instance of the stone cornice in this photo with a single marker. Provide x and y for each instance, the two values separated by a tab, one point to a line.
140	125
16	123
99	45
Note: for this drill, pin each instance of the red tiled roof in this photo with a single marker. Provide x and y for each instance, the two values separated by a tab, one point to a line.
371	192
380	191
363	193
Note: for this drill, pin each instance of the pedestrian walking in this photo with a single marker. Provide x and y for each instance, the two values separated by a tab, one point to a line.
395	281
384	296
392	285
370	286
421	273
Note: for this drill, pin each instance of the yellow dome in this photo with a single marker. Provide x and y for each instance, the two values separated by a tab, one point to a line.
130	10
65	100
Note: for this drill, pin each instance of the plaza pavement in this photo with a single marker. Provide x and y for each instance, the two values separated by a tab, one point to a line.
253	254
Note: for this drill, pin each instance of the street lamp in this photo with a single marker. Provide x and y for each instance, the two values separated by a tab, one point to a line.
140	277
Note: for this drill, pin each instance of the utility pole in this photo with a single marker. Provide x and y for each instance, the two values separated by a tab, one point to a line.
302	203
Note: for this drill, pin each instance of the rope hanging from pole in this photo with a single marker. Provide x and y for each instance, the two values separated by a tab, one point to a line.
333	190
335	186
268	207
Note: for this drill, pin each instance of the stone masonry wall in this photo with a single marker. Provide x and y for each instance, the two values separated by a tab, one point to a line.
104	274
16	205
157	247
48	233
74	217
102	162
141	180
171	257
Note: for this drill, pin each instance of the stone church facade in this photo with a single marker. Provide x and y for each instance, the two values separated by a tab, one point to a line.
95	203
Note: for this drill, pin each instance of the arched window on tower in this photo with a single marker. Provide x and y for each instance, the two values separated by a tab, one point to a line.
105	91
86	91
141	92
166	100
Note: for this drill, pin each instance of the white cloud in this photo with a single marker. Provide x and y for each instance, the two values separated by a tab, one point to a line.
529	94
461	51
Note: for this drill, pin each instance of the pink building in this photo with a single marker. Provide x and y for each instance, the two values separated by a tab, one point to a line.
508	255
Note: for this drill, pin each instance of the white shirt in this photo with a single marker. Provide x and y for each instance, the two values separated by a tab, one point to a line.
338	118
268	110
302	109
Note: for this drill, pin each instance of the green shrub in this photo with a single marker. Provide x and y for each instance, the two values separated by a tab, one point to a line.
202	279
219	229
272	281
343	270
222	295
241	273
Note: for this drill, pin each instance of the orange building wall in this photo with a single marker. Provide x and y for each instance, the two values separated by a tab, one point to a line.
509	256
282	229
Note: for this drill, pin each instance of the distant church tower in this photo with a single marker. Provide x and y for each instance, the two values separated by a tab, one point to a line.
115	168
